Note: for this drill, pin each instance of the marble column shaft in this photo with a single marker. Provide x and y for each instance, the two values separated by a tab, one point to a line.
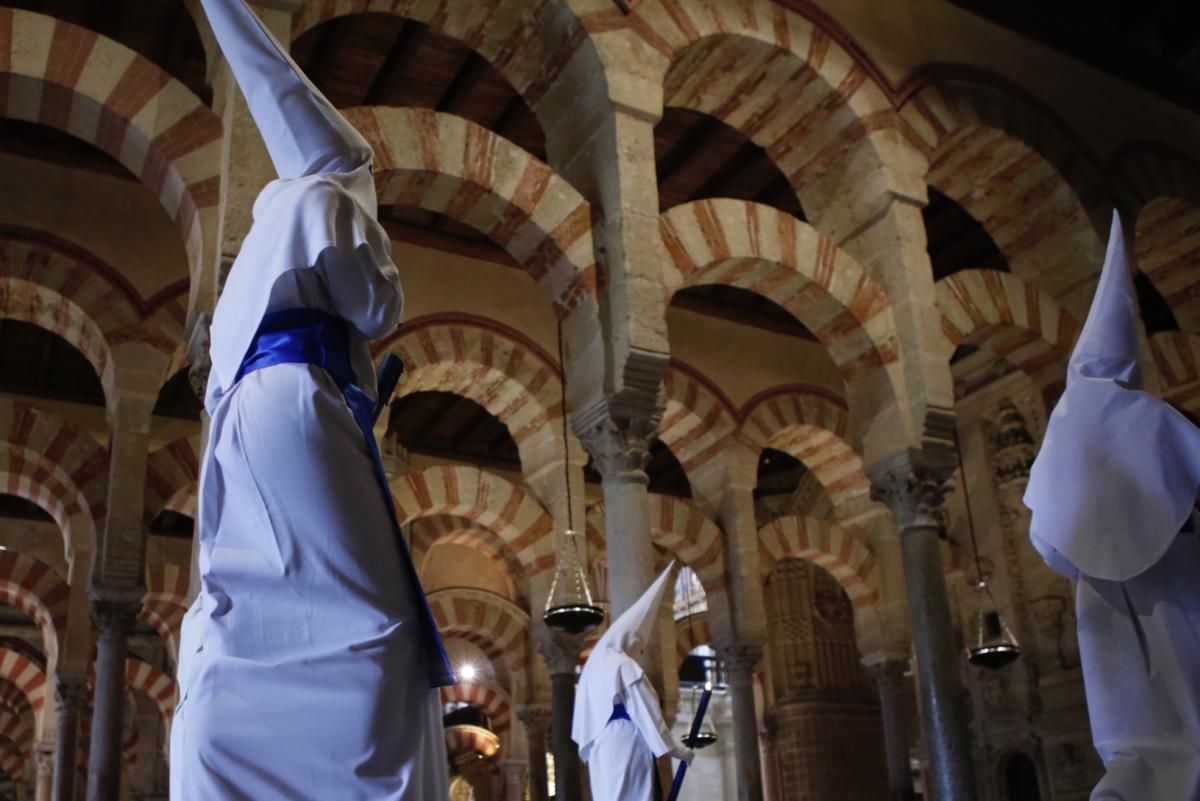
889	677
561	652
915	495
113	619
44	783
739	660
71	693
536	719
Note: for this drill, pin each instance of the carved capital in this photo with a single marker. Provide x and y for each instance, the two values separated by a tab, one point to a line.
1014	445
620	449
198	356
113	612
536	720
71	692
560	650
913	488
44	757
739	657
889	675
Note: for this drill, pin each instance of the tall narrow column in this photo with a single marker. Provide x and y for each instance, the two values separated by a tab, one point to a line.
914	491
561	652
514	779
72	694
535	719
889	677
45	774
113	616
739	660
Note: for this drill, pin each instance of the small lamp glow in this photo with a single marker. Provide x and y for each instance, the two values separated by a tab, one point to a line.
466	673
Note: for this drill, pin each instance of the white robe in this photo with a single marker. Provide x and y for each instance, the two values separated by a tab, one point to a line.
305	671
620	759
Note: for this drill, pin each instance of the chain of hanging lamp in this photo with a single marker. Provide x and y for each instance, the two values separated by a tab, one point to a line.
569	607
993	645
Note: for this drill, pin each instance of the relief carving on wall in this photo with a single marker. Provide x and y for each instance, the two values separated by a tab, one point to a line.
1055	626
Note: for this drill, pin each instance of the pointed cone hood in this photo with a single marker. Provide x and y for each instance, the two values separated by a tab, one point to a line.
610	668
638	619
1108	346
1117	473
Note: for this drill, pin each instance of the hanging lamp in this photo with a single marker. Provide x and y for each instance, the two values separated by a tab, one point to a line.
569	607
707	735
993	645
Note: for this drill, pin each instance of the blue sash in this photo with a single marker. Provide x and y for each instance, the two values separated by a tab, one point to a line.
618	713
309	336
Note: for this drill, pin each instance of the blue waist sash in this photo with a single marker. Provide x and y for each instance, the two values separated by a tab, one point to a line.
309	336
618	713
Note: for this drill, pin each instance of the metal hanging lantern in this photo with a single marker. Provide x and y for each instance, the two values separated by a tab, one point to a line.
994	645
569	607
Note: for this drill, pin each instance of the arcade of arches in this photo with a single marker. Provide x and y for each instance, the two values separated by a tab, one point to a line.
815	269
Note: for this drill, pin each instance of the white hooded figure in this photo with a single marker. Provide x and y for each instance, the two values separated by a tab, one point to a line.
1112	494
618	722
309	661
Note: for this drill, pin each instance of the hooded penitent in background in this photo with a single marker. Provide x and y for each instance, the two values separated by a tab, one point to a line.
309	660
618	723
1112	494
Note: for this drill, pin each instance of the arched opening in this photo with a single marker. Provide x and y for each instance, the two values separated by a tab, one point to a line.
38	363
956	240
1021	779
177	399
457	561
448	426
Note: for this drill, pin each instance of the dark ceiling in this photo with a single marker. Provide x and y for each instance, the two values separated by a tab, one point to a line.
1152	43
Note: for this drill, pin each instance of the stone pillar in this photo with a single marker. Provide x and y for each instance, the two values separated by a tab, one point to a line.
536	720
914	487
561	652
513	771
620	452
739	660
72	695
113	616
889	677
45	773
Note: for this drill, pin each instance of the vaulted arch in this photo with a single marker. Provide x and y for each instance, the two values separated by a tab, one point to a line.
33	587
30	679
489	621
493	701
172	474
166	602
446	529
828	545
681	529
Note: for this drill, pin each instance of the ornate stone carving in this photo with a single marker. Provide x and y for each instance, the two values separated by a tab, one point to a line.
621	450
198	356
740	657
45	761
889	675
1014	446
536	720
560	650
113	617
1069	766
1050	618
71	692
915	494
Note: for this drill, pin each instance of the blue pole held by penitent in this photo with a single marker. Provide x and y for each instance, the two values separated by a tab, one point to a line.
697	722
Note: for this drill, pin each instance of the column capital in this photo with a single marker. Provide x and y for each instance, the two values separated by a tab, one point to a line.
739	655
620	448
71	691
45	759
560	650
114	611
887	674
535	718
199	358
913	485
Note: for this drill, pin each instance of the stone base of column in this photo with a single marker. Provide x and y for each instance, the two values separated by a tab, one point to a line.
831	750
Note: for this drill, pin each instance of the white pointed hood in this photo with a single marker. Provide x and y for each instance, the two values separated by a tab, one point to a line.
325	195
1117	474
613	665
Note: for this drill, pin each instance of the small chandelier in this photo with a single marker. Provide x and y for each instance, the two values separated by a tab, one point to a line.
569	607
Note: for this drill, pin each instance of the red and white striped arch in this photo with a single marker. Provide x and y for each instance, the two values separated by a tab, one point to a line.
1030	184
690	632
97	90
696	426
781	81
484	500
827	545
13	764
493	701
764	250
493	623
33	587
26	676
18	730
424	533
513	380
1009	317
165	602
461	739
51	463
172	473
154	684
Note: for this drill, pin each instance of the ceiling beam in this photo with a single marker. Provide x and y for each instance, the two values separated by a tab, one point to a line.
460	85
404	48
320	60
686	147
171	51
467	432
737	164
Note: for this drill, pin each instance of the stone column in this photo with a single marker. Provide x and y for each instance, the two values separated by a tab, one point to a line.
536	720
889	676
513	771
45	773
561	652
72	695
739	660
914	487
620	452
113	615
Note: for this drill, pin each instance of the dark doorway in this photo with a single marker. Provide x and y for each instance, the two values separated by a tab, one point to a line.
1021	780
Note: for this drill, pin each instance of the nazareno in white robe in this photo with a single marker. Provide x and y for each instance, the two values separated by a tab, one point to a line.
1111	492
620	753
307	667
